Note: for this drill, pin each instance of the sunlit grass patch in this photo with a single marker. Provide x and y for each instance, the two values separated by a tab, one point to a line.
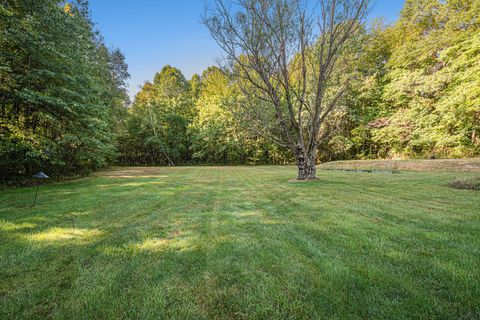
65	234
9	226
165	244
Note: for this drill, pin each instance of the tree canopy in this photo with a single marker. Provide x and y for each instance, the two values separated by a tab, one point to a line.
61	89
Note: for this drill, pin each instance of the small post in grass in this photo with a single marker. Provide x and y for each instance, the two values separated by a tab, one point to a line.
39	176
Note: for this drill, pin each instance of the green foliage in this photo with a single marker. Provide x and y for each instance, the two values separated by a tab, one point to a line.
214	130
174	121
347	131
59	87
416	87
159	119
433	79
219	134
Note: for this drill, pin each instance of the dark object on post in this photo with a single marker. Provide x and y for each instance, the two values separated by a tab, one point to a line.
40	175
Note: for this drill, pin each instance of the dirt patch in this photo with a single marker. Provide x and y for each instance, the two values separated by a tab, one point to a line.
304	181
132	172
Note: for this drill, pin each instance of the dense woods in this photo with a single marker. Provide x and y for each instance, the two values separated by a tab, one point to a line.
410	89
62	91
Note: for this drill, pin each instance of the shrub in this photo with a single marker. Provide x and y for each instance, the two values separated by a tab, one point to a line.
466	183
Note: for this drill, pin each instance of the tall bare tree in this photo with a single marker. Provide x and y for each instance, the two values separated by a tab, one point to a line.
283	54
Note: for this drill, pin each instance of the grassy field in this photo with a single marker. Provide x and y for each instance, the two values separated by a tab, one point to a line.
472	165
241	243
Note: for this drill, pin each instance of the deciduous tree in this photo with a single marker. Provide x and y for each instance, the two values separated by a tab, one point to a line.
286	51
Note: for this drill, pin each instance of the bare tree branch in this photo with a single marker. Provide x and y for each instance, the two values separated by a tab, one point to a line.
281	60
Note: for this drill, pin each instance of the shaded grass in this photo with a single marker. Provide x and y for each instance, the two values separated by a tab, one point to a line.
241	243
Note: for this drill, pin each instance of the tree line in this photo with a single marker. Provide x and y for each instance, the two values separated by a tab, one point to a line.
62	90
405	90
409	90
174	121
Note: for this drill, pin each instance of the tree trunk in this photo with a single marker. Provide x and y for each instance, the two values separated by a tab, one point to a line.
306	167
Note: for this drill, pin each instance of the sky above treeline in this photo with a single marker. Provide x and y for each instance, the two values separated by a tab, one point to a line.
154	33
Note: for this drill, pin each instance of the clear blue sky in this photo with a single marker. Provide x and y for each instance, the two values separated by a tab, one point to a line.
153	33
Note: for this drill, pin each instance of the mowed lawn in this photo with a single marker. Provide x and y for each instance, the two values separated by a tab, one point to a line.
241	243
